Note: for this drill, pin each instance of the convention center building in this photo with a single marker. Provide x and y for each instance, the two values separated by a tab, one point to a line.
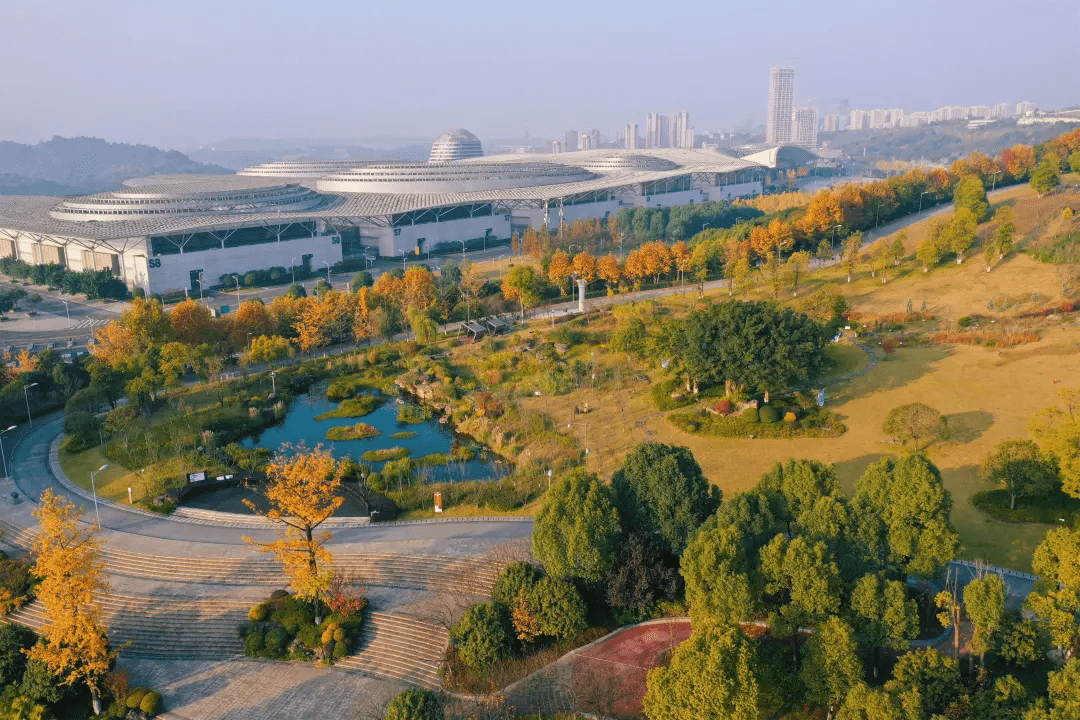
171	233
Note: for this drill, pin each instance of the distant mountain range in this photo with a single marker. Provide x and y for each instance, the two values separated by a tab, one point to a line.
79	166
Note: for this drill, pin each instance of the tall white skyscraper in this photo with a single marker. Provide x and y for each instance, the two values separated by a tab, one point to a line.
630	136
656	131
679	127
804	126
781	92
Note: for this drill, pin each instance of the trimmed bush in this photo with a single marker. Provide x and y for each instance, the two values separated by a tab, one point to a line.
151	703
339	635
767	414
750	415
415	704
254	643
340	650
515	577
279	594
258	613
135	697
276	639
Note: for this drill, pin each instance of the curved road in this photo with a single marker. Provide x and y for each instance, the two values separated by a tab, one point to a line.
31	470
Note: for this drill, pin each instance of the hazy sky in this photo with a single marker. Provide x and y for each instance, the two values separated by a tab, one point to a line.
180	74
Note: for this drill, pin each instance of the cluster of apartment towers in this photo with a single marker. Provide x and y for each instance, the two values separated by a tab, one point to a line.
659	133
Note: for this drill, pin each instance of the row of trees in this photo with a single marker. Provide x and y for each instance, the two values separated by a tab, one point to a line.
94	284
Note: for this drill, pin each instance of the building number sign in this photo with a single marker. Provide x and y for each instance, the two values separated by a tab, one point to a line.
153	263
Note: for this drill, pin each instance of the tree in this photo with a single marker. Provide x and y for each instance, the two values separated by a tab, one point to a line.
885	616
515	579
14	640
951	603
1046	176
830	666
16	706
193	323
797	264
418	289
1021	469
641	577
577	529
804	582
909	498
1056	597
984	600
865	703
1057	431
712	675
303	493
585	266
415	704
607	269
73	644
794	487
660	490
523	284
423	327
1003	232
481	637
1019	643
557	608
926	682
1005	699
851	253
472	283
919	424
971	195
560	268
897	249
1064	695
269	349
753	345
960	232
721	584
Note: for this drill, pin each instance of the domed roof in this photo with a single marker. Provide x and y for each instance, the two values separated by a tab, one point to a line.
455	144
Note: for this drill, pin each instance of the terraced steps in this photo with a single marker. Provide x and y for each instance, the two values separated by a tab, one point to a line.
397	647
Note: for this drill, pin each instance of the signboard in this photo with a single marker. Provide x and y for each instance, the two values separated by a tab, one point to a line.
196	477
224	309
438	502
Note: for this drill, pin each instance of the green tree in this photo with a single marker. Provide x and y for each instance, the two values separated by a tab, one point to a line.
830	666
1004	699
1019	643
897	250
1057	430
17	706
1074	161
913	506
1046	176
482	636
971	195
851	253
660	489
930	250
803	582
919	424
984	600
794	487
866	703
1064	695
14	639
516	578
1021	469
577	529
1005	227
926	682
721	580
524	285
797	264
423	327
712	675
557	607
960	232
415	704
885	617
1056	597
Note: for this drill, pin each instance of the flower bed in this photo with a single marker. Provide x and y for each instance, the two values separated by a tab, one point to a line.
283	628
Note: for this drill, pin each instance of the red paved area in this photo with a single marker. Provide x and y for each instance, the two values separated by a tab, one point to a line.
609	679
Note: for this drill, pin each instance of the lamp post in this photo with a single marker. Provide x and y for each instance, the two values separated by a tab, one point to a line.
403	252
273	381
327	273
704	227
26	397
93	486
2	456
462	247
924	192
993	184
67	310
237	279
292	266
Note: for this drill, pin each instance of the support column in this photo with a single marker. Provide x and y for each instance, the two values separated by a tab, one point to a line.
581	295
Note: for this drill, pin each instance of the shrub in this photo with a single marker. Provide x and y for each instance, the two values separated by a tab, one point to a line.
750	415
789	417
254	643
258	613
415	704
340	649
515	578
151	703
276	640
723	407
135	697
279	594
967	321
481	636
308	636
767	414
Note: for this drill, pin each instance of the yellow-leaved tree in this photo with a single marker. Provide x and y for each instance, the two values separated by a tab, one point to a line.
73	646
303	493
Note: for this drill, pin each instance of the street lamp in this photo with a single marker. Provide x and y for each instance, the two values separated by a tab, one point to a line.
462	247
327	273
703	227
237	279
994	183
273	381
68	311
26	397
292	266
403	252
2	456
202	282
924	192
93	486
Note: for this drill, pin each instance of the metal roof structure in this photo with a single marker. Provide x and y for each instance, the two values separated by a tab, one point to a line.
278	193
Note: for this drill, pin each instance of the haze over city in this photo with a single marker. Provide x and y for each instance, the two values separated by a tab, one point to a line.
183	75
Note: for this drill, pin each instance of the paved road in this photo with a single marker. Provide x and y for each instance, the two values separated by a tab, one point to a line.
31	471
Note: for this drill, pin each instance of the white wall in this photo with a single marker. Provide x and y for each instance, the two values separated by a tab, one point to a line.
169	273
735	190
450	232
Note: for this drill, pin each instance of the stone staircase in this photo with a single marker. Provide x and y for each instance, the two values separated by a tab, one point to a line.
394	647
398	647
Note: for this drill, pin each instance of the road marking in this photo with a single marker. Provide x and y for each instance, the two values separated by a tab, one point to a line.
92	322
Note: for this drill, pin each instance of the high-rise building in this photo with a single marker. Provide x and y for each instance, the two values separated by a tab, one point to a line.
979	111
588	140
558	146
781	92
860	120
804	126
1024	108
830	123
878	119
630	136
679	127
656	131
570	142
1002	110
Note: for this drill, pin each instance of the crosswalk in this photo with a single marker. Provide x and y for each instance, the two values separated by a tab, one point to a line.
92	322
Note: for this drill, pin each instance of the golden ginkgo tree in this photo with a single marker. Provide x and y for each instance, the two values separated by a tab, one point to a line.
73	646
302	493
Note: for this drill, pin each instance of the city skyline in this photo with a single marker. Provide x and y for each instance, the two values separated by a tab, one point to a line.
125	79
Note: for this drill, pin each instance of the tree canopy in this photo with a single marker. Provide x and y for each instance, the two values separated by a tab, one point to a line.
577	529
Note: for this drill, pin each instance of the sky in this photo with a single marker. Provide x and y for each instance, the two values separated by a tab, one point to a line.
178	75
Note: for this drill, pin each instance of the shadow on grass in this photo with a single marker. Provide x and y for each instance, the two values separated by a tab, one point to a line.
968	426
848	471
899	369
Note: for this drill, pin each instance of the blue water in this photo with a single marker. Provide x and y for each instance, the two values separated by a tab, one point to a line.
431	437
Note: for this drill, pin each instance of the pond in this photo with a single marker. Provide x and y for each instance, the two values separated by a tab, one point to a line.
424	438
